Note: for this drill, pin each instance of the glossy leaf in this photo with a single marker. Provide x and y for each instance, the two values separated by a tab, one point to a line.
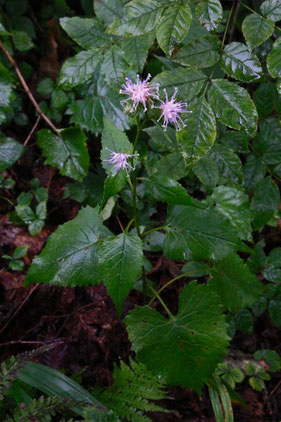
136	50
207	172
209	13
240	63
172	164
108	10
256	29
10	152
233	106
269	143
173	26
121	259
273	60
141	17
264	202
5	92
70	257
193	341
88	33
264	98
229	163
68	152
200	53
234	283
274	312
163	188
112	186
114	66
196	139
254	171
271	357
272	9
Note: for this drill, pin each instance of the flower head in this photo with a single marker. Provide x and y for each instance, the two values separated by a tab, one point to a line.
120	161
171	111
140	92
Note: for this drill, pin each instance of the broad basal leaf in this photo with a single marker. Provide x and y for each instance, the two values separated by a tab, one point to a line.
70	257
186	348
234	283
233	106
78	69
121	260
209	13
10	152
188	81
173	26
204	232
141	17
136	49
68	152
228	163
240	63
265	202
200	53
164	188
272	9
199	133
273	60
88	33
233	203
256	29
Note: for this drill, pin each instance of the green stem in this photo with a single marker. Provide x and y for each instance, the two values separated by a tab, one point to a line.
226	28
162	303
129	224
173	280
133	187
253	11
153	230
6	199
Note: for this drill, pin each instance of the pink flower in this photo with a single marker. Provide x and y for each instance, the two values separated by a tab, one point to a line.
141	92
171	111
120	161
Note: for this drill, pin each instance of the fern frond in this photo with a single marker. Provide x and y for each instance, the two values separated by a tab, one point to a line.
94	414
131	394
11	367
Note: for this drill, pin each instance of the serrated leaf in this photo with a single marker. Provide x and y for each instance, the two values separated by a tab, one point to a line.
209	14
229	163
10	152
200	53
22	41
162	140
36	226
270	141
254	171
46	86
272	9
112	186
233	106
274	312
271	357
108	10
78	69
121	259
188	81
68	152
88	33
241	64
273	60
172	164
141	17
234	283
207	172
5	92
136	49
264	202
264	98
236	141
204	232
173	27
114	66
256	29
243	321
70	257
199	134
193	341
163	188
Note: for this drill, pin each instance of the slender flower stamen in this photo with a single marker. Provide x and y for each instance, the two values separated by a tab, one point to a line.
171	111
119	161
140	92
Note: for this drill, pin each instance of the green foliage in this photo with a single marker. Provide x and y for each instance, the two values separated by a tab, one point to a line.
18	253
10	152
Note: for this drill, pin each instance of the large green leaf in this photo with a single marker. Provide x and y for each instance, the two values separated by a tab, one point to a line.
233	203
265	202
207	172
141	17
109	10
88	33
240	63
200	53
254	171
273	60
70	257
188	81
136	50
256	29
204	232
234	283
233	106
172	164
269	141
5	91
114	66
163	188
199	135
264	98
272	9
228	162
68	152
121	259
209	13
78	69
112	186
185	348
10	152
173	26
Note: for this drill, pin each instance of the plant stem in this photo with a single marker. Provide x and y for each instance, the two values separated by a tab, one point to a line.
133	187
162	302
253	11
153	230
226	27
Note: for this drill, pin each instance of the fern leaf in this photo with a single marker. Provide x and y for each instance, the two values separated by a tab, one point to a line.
94	414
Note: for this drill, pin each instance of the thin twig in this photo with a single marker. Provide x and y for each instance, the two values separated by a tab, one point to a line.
32	130
238	4
10	343
27	90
